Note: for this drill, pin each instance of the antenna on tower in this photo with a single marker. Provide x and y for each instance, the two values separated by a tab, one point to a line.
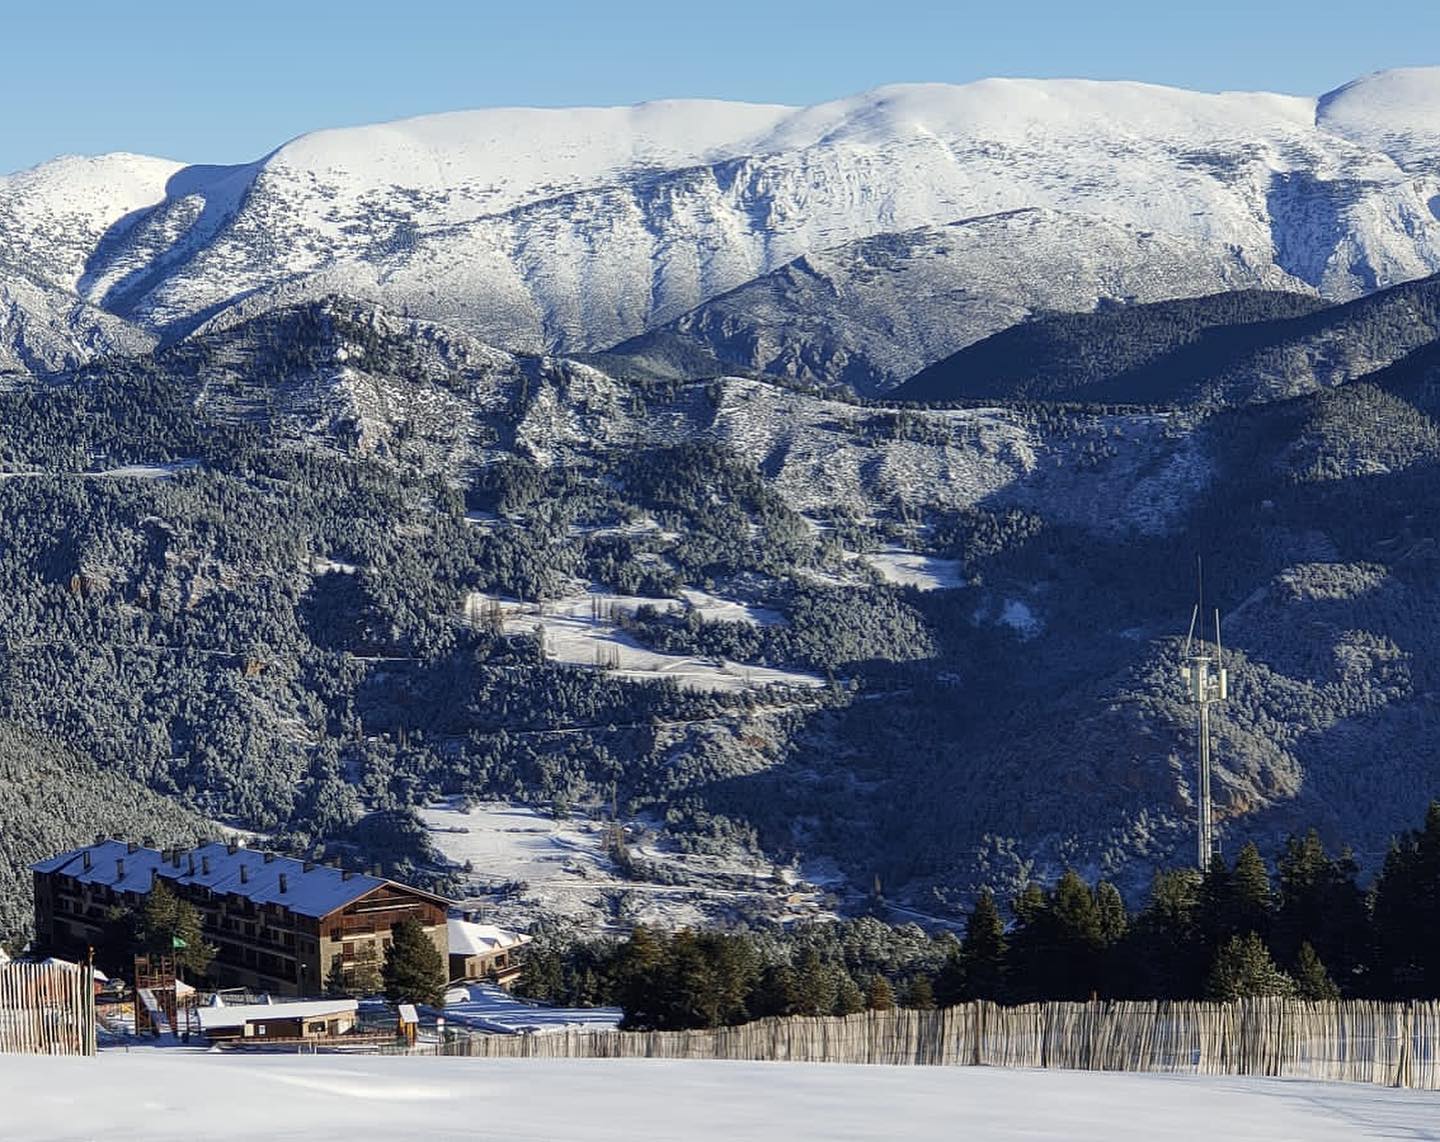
1206	681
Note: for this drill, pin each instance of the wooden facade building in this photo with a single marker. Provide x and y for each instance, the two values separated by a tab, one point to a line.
485	952
279	925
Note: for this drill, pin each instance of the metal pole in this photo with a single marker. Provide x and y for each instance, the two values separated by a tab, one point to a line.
1204	837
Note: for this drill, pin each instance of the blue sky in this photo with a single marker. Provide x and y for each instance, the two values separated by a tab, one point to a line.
215	81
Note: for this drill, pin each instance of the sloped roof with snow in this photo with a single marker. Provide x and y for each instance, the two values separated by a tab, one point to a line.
307	889
467	938
213	1017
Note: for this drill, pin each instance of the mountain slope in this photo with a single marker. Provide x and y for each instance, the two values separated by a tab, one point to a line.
576	230
52	800
331	559
872	313
1230	348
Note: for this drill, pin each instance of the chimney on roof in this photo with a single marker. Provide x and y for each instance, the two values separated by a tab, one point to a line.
205	865
119	868
269	856
345	874
309	865
101	838
85	859
232	847
244	874
131	846
148	841
192	864
284	883
175	855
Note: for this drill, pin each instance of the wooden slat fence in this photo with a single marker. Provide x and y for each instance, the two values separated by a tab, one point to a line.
47	1009
1396	1044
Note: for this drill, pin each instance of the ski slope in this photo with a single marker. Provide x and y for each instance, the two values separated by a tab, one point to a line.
170	1096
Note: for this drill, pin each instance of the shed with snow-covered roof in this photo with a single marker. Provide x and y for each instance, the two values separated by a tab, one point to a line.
313	1019
279	924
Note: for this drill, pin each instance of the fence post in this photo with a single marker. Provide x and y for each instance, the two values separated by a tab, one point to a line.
1403	1076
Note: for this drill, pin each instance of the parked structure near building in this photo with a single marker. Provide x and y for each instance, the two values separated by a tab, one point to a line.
484	952
317	1019
279	925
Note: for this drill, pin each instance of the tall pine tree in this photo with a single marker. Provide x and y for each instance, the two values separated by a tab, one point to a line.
414	969
983	951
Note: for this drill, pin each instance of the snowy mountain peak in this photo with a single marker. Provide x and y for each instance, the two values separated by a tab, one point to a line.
577	229
1397	112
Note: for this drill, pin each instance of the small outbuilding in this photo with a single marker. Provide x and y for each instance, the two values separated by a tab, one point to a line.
484	952
311	1019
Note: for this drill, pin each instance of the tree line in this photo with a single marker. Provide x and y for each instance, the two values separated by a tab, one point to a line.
1305	928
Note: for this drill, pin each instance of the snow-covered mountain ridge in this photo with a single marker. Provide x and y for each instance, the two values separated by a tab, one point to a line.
577	229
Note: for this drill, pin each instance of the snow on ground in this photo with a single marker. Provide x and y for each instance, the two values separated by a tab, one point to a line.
123	472
582	629
485	1007
166	1096
566	873
910	569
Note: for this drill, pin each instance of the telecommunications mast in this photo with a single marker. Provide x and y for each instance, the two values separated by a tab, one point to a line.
1206	681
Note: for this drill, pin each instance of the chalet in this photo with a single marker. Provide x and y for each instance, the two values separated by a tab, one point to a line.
279	925
484	952
317	1019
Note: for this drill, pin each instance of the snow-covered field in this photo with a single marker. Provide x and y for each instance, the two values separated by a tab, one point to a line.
910	569
163	1096
582	629
566	873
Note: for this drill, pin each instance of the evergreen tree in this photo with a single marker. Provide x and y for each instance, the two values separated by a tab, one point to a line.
1406	912
1030	950
815	986
540	972
637	969
1251	900
848	997
365	976
170	925
686	990
414	970
1114	919
1079	941
1243	969
919	994
1312	981
1058	943
984	950
1115	974
1320	903
950	986
880	996
1164	951
778	993
335	982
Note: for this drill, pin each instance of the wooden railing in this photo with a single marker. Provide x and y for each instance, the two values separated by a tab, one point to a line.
47	1009
1396	1044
